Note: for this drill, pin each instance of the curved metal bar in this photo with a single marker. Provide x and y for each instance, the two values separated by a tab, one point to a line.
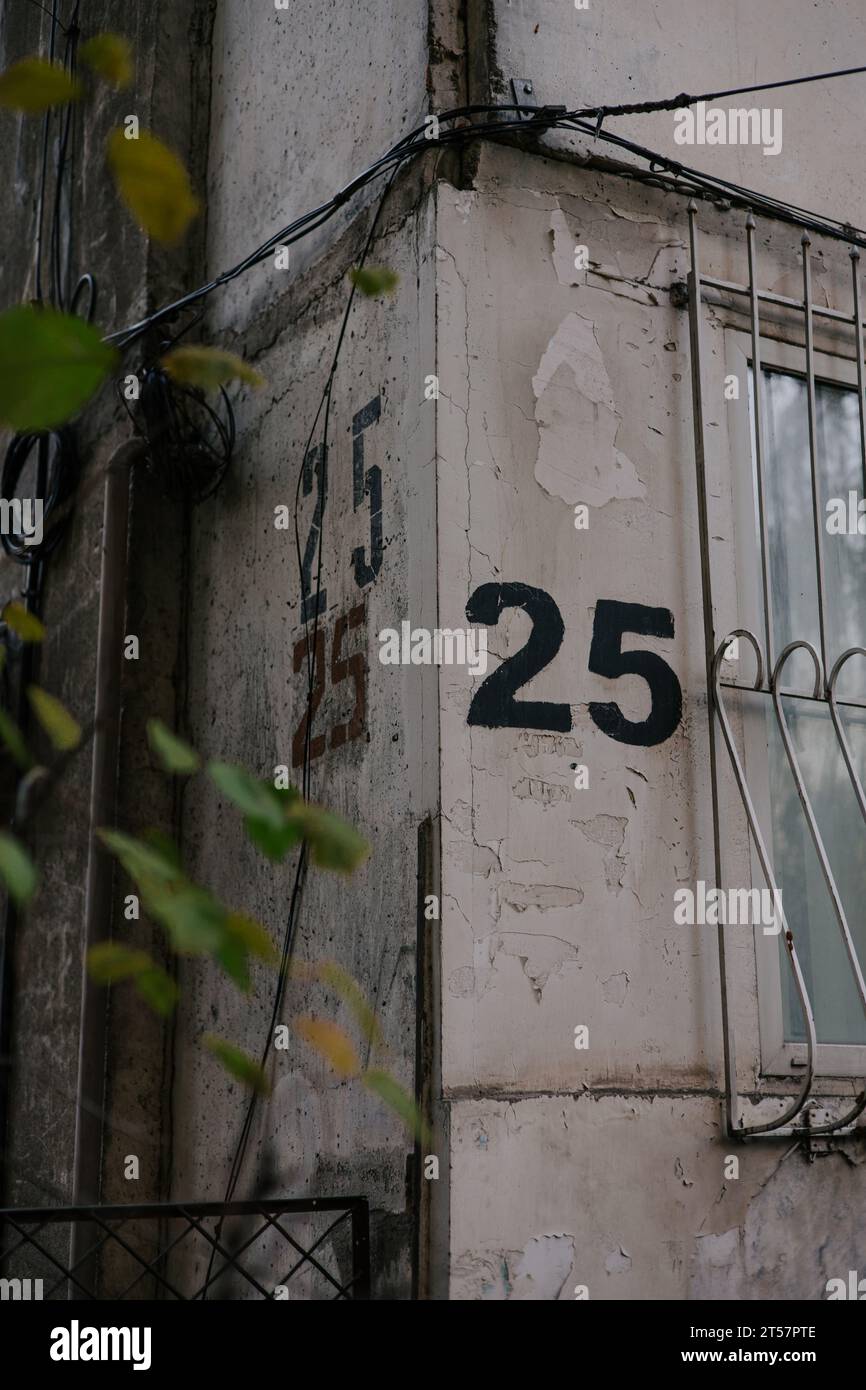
827	872
840	731
799	982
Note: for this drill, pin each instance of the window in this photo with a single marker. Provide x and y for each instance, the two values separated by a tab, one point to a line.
839	1017
840	1023
796	439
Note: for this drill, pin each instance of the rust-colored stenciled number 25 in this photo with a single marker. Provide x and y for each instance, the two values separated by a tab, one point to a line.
342	667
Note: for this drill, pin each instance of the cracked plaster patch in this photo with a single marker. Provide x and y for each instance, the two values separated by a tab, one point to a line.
578	422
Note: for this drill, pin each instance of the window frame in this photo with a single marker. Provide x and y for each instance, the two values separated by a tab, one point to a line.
778	1058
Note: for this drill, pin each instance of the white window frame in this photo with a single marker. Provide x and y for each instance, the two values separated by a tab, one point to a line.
778	1057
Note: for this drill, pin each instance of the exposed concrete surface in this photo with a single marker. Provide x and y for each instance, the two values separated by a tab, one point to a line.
303	99
573	1006
610	54
626	1196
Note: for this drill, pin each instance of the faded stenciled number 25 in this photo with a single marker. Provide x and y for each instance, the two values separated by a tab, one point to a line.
366	485
494	705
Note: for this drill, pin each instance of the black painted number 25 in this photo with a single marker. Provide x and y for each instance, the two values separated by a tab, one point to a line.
495	707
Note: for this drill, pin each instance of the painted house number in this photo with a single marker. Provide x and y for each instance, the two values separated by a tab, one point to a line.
494	706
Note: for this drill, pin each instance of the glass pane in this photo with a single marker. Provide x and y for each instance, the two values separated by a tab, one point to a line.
839	1016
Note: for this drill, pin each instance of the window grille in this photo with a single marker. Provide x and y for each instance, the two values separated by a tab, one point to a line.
797	1118
194	1250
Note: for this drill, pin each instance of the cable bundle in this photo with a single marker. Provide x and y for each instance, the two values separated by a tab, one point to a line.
188	442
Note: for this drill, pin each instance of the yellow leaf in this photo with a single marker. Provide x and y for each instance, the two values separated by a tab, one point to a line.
61	728
332	1042
110	56
34	85
153	183
26	625
252	936
208	367
330	973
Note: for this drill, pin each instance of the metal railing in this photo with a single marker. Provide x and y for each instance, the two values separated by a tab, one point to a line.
191	1250
770	665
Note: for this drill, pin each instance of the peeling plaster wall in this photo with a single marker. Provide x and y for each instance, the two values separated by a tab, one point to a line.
625	1195
600	1167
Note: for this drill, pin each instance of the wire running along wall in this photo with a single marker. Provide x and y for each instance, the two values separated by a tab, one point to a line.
771	665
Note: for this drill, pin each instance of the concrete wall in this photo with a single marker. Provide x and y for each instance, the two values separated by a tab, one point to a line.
614	54
604	1167
247	690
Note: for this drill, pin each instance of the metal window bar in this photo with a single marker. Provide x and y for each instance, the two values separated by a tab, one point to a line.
345	1275
794	1118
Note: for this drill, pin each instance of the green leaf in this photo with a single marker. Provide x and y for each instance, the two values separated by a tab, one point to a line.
24	624
17	869
12	736
253	797
145	863
398	1100
50	366
61	728
158	989
165	847
195	921
110	961
274	842
232	955
209	368
154	184
332	974
242	937
237	1063
253	936
374	280
110	57
334	843
175	755
34	84
334	1045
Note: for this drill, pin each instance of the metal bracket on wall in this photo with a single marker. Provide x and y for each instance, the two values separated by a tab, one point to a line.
525	96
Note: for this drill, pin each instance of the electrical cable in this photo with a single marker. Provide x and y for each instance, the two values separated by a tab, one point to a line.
418	140
311	646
